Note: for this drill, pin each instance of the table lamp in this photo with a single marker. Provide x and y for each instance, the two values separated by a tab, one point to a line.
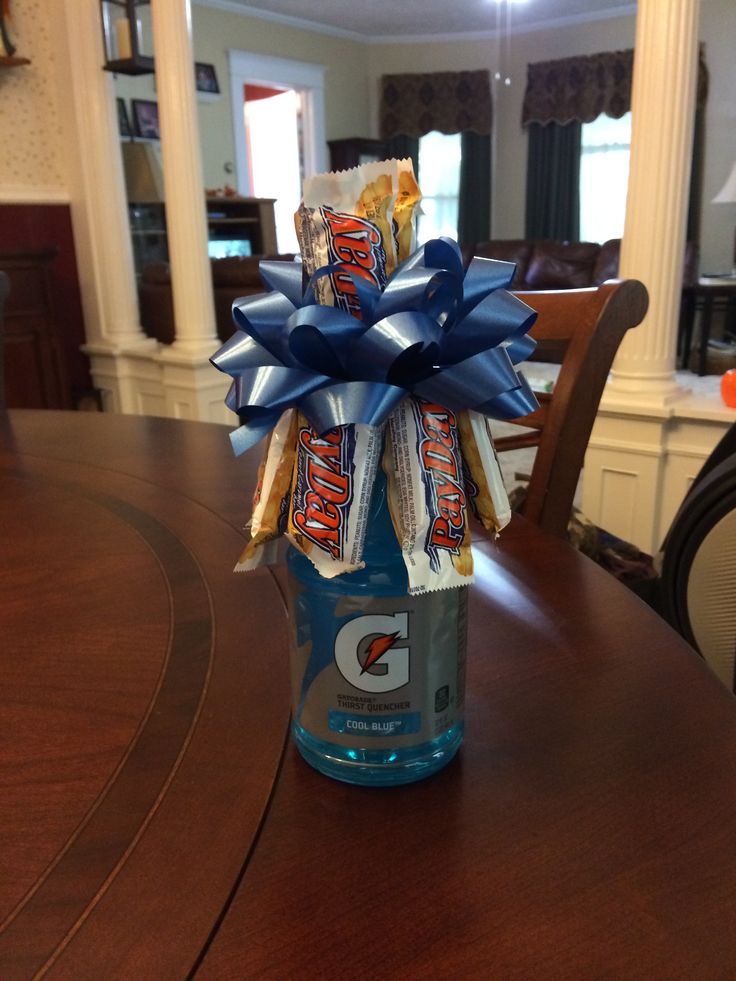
144	183
727	195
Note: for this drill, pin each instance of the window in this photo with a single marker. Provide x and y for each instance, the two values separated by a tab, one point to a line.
604	176
439	179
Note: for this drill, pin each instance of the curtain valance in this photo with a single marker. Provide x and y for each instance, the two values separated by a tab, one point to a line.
583	87
450	102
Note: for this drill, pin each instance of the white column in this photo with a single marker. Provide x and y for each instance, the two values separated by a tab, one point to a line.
96	184
647	442
186	224
653	246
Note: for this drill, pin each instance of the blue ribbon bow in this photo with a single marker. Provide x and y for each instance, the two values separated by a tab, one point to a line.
437	330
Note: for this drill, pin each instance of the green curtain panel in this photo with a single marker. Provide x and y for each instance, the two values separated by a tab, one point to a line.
474	206
402	146
553	181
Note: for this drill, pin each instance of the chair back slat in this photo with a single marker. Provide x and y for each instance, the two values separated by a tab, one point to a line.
581	330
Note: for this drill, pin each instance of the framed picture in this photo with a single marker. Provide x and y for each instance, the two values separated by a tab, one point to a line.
145	118
123	121
206	78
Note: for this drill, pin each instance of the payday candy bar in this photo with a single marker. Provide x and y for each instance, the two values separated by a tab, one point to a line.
327	236
271	497
486	491
348	218
330	493
427	496
407	199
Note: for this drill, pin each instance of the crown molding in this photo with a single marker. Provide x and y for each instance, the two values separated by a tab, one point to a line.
515	29
232	6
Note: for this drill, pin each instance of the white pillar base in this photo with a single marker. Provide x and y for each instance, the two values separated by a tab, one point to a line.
192	388
151	380
661	389
642	458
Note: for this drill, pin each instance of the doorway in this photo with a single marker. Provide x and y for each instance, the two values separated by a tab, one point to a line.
278	127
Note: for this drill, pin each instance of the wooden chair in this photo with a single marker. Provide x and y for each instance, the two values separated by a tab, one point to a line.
581	331
4	290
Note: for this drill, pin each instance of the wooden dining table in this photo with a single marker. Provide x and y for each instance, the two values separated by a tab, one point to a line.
157	823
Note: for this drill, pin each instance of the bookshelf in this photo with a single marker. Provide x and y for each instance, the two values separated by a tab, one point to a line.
235	226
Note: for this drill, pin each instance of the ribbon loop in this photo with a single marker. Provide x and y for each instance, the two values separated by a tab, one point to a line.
351	402
438	330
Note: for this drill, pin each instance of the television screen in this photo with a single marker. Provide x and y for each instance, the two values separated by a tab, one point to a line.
224	248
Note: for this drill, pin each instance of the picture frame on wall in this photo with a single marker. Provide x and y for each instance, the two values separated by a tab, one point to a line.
145	119
206	78
123	121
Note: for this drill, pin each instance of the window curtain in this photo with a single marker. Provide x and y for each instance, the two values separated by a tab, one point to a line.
474	205
553	181
577	90
695	200
402	146
413	105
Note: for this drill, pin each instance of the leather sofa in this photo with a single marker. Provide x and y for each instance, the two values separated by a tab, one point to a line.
231	278
549	265
540	265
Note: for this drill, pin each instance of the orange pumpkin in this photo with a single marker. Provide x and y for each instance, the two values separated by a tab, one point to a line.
728	387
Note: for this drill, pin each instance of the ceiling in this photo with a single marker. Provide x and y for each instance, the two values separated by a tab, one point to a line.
388	19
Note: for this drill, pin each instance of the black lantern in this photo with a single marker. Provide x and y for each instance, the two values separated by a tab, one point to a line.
127	34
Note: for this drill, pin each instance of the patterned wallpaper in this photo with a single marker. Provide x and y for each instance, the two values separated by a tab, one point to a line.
30	131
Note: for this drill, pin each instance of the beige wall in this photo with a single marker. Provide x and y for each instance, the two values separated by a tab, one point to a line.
32	161
216	31
718	33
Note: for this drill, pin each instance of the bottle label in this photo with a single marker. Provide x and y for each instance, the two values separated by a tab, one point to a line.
379	671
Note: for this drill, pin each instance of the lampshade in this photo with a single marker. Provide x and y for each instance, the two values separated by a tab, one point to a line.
144	182
727	193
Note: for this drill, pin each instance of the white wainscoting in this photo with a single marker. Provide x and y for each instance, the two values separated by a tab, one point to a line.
642	459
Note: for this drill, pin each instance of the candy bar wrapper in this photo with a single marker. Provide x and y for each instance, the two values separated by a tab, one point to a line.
271	497
427	496
407	200
330	494
486	491
350	217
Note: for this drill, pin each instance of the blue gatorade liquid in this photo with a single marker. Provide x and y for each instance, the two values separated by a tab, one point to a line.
378	676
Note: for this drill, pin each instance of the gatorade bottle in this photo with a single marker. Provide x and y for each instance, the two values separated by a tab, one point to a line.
378	676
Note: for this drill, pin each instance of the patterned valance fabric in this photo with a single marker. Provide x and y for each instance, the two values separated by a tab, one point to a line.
450	102
583	87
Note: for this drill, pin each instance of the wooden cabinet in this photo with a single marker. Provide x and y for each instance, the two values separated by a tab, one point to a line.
34	369
148	234
236	219
235	226
354	150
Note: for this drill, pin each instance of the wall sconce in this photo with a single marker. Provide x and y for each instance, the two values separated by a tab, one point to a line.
127	36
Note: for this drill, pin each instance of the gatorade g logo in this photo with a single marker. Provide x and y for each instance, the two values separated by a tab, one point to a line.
356	243
367	652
